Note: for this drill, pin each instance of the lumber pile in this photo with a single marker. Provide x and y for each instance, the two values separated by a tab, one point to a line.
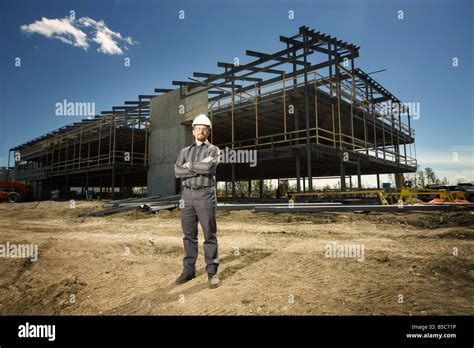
148	204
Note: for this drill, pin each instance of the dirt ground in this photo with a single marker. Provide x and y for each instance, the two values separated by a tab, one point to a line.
271	264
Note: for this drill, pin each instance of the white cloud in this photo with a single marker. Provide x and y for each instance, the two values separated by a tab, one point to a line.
107	39
62	29
80	32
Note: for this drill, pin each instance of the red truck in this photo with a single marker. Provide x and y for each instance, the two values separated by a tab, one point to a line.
13	192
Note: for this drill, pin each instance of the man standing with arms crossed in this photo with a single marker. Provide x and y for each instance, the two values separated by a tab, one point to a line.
196	166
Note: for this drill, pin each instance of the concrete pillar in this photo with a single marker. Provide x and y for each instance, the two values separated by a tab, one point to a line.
234	195
87	183
122	187
342	174
298	173
66	187
399	180
50	187
359	177
168	136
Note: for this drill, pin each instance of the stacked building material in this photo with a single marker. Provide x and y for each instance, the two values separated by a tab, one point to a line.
149	204
366	208
252	205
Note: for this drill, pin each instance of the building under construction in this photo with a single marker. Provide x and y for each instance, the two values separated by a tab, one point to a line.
307	111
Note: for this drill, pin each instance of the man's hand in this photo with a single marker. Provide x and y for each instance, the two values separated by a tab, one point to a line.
207	159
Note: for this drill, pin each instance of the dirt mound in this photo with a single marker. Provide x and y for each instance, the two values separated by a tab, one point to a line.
438	220
464	234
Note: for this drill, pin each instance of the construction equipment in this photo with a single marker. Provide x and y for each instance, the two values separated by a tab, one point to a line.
445	196
13	192
438	194
467	188
406	194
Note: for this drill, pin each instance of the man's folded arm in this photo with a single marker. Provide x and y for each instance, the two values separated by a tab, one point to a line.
206	167
179	171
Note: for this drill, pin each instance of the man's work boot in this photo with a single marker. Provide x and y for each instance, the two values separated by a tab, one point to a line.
214	281
185	277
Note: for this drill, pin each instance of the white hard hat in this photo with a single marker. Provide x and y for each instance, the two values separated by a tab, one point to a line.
202	119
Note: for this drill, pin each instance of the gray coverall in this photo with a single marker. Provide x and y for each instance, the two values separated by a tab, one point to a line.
198	203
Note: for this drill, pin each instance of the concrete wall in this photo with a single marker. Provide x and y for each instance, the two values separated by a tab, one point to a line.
168	136
6	174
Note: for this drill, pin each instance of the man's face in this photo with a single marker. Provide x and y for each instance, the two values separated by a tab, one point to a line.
201	132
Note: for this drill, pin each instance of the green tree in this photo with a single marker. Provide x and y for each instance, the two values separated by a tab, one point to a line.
430	175
242	188
267	187
420	178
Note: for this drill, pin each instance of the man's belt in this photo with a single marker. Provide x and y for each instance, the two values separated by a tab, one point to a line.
196	187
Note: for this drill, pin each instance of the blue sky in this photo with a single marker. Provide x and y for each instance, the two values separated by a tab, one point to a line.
417	52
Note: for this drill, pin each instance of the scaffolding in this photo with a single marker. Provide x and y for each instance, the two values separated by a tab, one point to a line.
100	152
306	110
315	117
